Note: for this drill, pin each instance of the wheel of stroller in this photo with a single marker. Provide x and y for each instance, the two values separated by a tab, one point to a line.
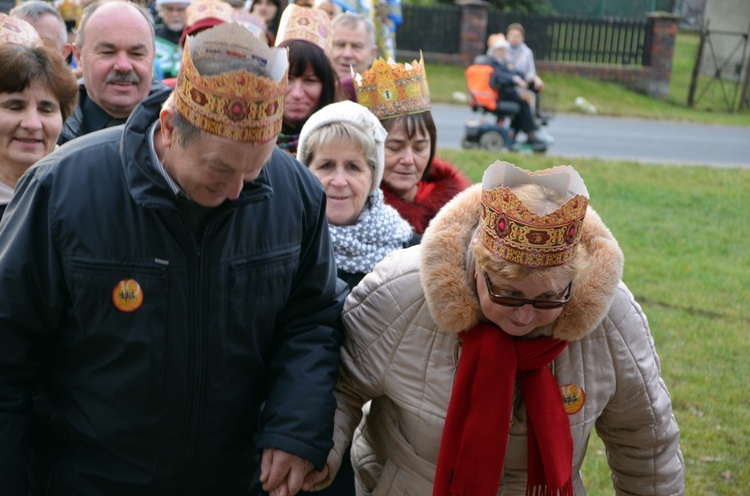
492	141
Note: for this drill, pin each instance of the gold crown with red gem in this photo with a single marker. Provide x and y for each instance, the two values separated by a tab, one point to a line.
512	232
15	31
307	24
208	9
237	105
389	89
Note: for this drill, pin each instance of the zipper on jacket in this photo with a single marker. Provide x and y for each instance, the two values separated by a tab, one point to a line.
197	355
197	344
195	372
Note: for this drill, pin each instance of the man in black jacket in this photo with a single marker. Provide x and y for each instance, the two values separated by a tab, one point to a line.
115	50
170	314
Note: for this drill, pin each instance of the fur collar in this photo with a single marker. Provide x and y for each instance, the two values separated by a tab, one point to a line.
449	285
436	188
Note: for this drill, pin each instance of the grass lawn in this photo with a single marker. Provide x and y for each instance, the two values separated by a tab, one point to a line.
684	232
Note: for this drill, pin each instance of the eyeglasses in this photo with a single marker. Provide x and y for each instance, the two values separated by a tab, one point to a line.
509	301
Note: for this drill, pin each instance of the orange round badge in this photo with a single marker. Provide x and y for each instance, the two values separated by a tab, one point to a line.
573	398
127	295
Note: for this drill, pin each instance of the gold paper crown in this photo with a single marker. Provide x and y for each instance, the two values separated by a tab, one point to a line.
237	105
15	31
204	9
252	22
304	23
389	89
511	231
70	10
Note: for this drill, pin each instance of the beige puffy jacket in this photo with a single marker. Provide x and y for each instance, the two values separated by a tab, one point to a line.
401	350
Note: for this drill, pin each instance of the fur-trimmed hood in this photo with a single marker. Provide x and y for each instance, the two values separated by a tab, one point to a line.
449	284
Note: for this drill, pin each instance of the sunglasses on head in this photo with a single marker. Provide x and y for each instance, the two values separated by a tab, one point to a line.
510	301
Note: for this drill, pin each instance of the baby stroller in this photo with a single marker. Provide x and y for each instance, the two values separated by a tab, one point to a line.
492	130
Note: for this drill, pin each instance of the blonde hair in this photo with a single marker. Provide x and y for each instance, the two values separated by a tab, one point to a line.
343	132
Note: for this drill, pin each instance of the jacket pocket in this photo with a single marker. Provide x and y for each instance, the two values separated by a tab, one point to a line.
131	298
118	338
259	289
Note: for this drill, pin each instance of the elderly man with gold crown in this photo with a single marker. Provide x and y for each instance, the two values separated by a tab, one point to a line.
492	350
169	324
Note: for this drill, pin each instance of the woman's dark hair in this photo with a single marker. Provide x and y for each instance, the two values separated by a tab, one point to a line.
303	54
24	65
413	124
273	26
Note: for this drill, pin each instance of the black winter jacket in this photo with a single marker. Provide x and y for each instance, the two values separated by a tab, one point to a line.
234	348
76	124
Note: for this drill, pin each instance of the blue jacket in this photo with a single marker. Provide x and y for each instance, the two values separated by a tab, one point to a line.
234	348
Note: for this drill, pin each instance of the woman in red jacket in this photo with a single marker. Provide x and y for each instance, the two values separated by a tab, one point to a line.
415	182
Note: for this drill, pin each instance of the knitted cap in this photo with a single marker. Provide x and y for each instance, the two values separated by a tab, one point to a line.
497	45
355	114
166	2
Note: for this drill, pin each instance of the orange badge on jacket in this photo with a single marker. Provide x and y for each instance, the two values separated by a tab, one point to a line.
127	295
573	398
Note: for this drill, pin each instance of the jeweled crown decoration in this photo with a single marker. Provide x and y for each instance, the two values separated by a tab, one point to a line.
237	105
512	232
204	9
308	24
15	31
390	89
70	10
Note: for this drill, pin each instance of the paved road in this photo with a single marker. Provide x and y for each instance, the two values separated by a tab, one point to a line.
622	139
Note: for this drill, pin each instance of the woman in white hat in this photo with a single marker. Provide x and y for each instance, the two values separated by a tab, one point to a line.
343	145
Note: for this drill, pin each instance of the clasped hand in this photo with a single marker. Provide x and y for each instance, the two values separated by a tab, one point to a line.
284	474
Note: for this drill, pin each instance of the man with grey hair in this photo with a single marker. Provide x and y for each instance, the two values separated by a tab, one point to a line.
48	23
173	323
115	50
354	48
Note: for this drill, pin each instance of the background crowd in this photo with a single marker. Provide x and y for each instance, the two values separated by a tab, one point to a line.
210	180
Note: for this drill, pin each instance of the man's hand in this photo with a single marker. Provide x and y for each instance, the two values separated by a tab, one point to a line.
282	473
313	478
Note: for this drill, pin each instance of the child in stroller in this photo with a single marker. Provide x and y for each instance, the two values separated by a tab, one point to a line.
496	88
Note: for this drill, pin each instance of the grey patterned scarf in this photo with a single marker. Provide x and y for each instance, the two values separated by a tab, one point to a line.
378	231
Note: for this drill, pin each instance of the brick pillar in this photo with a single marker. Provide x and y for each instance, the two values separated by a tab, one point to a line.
663	33
473	29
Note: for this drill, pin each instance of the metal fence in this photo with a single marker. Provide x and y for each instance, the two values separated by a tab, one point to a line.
720	70
581	39
553	38
611	8
431	29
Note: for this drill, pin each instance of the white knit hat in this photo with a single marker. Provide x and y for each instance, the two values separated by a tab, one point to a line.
497	45
170	2
350	113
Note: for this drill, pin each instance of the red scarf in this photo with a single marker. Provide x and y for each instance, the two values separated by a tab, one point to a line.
477	426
